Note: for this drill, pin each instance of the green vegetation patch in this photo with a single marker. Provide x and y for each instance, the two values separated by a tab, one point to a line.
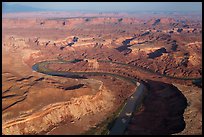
104	127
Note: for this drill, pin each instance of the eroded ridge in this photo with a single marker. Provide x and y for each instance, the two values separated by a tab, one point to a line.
53	114
89	66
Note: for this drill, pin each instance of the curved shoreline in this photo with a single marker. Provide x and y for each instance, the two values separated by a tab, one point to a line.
11	127
42	68
60	61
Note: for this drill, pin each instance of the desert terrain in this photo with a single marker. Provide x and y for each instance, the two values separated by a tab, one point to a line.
162	52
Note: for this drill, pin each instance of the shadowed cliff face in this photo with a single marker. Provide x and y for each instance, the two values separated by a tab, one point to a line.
126	44
84	36
161	113
156	22
157	53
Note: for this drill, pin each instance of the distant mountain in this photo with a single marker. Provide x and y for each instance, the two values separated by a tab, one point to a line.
7	8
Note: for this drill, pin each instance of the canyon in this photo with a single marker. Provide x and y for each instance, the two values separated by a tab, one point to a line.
162	52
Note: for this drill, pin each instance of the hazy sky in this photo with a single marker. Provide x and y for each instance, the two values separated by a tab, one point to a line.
115	6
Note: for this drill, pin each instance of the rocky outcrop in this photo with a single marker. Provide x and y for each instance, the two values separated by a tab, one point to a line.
53	114
157	53
157	21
